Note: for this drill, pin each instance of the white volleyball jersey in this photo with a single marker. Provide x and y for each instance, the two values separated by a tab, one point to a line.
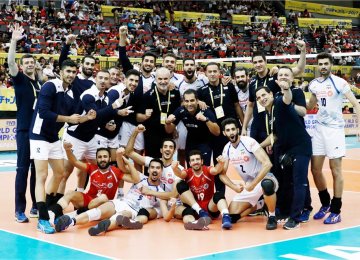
136	200
197	84
243	159
329	93
243	98
147	82
168	176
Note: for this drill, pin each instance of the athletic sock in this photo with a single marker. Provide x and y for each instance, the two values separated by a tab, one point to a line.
196	207
324	197
335	206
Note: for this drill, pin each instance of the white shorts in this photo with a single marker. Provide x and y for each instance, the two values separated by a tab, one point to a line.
81	150
43	150
249	196
126	131
328	141
121	206
182	131
103	142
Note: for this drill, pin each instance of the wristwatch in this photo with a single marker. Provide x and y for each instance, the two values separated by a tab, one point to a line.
207	119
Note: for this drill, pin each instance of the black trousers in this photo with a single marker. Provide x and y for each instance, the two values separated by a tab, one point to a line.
22	169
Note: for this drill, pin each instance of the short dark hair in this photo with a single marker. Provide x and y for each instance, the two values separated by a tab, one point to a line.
286	67
68	63
87	56
257	54
267	89
190	91
325	55
170	55
167	139
195	152
132	72
242	69
26	56
104	71
157	160
186	59
103	149
212	63
148	53
229	121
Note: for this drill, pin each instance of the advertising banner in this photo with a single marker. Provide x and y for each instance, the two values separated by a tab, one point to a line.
7	99
7	134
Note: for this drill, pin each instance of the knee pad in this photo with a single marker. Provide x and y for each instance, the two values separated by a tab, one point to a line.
218	196
189	211
268	187
181	187
94	214
143	212
234	218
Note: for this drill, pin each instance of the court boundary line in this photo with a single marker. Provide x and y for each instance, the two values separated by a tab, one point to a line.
268	243
54	243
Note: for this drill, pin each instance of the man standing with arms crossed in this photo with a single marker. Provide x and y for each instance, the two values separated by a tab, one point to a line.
329	138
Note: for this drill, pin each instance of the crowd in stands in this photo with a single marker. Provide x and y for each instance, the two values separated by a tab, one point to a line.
46	27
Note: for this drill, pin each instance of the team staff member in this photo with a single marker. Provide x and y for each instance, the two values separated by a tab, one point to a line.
223	101
190	81
54	108
158	104
284	175
201	125
288	130
329	138
263	77
26	87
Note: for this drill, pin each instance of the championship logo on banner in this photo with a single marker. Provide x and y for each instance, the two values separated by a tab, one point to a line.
7	100
7	134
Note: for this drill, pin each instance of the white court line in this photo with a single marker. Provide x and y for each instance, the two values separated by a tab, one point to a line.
56	244
269	243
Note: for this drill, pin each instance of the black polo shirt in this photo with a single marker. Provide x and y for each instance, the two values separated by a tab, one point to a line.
198	132
211	95
258	129
159	103
289	128
25	91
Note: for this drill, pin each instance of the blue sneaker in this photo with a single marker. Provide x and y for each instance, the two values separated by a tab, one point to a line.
45	227
305	215
226	222
205	215
322	212
101	227
333	218
200	224
20	217
62	223
34	213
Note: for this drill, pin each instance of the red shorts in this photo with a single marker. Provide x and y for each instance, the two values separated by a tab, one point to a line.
87	198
